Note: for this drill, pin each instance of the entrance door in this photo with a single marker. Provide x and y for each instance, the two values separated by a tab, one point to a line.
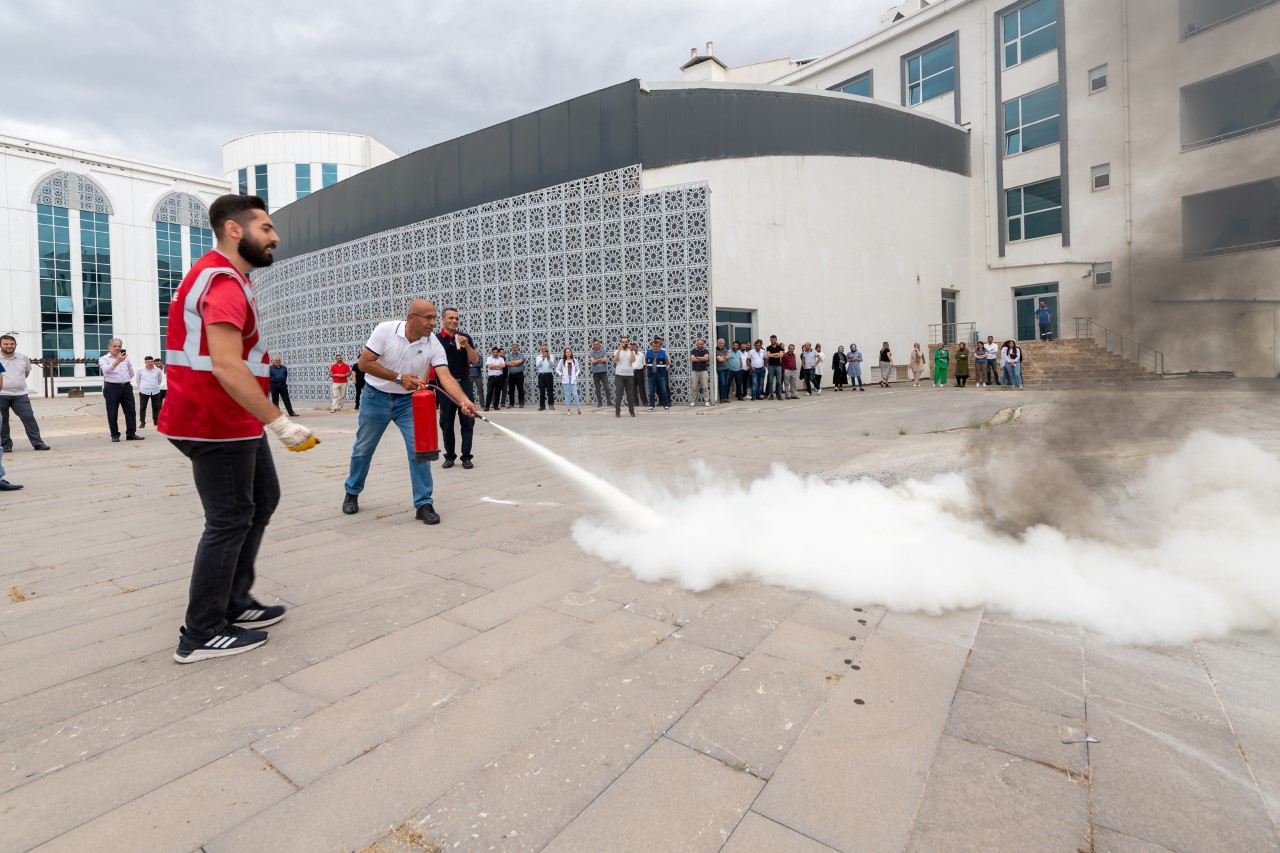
948	317
733	325
1026	300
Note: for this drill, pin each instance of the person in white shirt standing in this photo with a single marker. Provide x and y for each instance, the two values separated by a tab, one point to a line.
117	390
624	377
13	395
150	385
397	360
495	364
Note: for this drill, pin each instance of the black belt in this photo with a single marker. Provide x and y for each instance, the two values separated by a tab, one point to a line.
126	384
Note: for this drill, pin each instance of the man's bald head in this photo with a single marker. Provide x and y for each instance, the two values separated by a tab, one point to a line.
421	319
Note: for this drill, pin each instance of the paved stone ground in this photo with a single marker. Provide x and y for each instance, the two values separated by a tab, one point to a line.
485	685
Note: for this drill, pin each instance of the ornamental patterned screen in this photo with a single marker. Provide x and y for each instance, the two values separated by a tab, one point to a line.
597	257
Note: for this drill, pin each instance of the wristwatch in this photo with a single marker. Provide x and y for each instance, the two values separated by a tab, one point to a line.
398	375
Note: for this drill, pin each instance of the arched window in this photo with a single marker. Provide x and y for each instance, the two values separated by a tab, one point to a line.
173	213
71	203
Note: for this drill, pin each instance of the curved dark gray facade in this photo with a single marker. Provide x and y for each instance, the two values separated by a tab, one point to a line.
611	129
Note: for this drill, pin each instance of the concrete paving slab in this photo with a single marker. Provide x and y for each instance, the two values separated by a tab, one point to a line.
745	617
1201	799
668	603
582	606
853	778
58	802
229	790
1109	841
814	647
754	715
1019	730
1247	685
1165	679
756	834
834	617
620	636
488	655
1029	667
979	799
510	601
671	799
523	799
957	627
357	802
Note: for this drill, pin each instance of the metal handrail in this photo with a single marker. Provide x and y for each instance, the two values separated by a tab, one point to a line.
1223	137
1129	349
1232	250
952	333
1195	31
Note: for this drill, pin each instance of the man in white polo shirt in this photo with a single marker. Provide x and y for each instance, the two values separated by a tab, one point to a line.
397	361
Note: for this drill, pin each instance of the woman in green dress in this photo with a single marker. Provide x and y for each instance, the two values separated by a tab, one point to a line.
941	358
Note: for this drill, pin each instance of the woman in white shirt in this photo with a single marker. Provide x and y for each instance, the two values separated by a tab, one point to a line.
1011	358
568	371
817	367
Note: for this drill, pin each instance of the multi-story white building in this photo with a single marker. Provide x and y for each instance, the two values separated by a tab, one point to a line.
92	246
1120	167
283	166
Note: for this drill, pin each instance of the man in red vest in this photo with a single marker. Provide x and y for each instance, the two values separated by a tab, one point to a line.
218	372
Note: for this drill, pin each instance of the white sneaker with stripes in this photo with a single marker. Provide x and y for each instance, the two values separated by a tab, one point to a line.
257	615
231	640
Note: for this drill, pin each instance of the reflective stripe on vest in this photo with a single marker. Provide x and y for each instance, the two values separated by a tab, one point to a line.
189	356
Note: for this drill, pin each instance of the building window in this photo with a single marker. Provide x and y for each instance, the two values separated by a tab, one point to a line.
1034	210
1228	106
168	268
243	182
201	242
328	174
1031	122
931	74
95	273
1030	31
302	179
1097	79
860	85
260	188
57	340
1101	176
1102	274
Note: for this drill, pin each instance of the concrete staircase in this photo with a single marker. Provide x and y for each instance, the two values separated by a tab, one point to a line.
1077	360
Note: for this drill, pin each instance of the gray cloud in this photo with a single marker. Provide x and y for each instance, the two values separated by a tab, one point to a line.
170	82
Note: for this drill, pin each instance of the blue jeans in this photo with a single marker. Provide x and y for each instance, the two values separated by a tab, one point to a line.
571	395
1013	375
380	410
658	383
757	383
774	383
723	376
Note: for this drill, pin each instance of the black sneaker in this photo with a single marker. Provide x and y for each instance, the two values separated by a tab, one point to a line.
427	514
257	616
229	641
350	504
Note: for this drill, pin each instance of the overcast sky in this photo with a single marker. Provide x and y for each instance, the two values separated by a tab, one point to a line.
168	82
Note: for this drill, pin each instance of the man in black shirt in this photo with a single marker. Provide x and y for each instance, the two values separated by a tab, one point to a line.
773	381
462	355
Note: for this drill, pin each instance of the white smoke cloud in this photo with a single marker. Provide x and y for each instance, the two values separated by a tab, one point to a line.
1189	551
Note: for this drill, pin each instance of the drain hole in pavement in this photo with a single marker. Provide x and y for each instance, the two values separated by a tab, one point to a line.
857	609
848	660
858	702
862	621
855	666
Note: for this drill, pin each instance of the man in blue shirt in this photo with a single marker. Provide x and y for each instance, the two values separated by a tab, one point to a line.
280	385
657	362
1044	321
462	355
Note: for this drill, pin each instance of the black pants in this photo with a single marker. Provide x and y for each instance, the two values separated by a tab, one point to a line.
624	385
546	392
515	386
600	381
21	406
359	390
642	386
119	395
742	379
154	400
238	488
280	391
448	408
493	399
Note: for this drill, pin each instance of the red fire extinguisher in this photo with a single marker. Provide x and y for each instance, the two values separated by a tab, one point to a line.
426	439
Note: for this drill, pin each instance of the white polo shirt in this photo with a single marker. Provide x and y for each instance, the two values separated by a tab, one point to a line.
396	352
495	364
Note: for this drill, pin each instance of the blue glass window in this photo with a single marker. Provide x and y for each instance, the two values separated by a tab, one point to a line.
1030	31
931	74
56	337
1034	210
168	268
95	269
260	184
243	182
201	242
858	86
1032	121
328	174
302	178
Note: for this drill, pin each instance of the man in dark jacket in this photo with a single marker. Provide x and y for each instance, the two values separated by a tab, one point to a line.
280	386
